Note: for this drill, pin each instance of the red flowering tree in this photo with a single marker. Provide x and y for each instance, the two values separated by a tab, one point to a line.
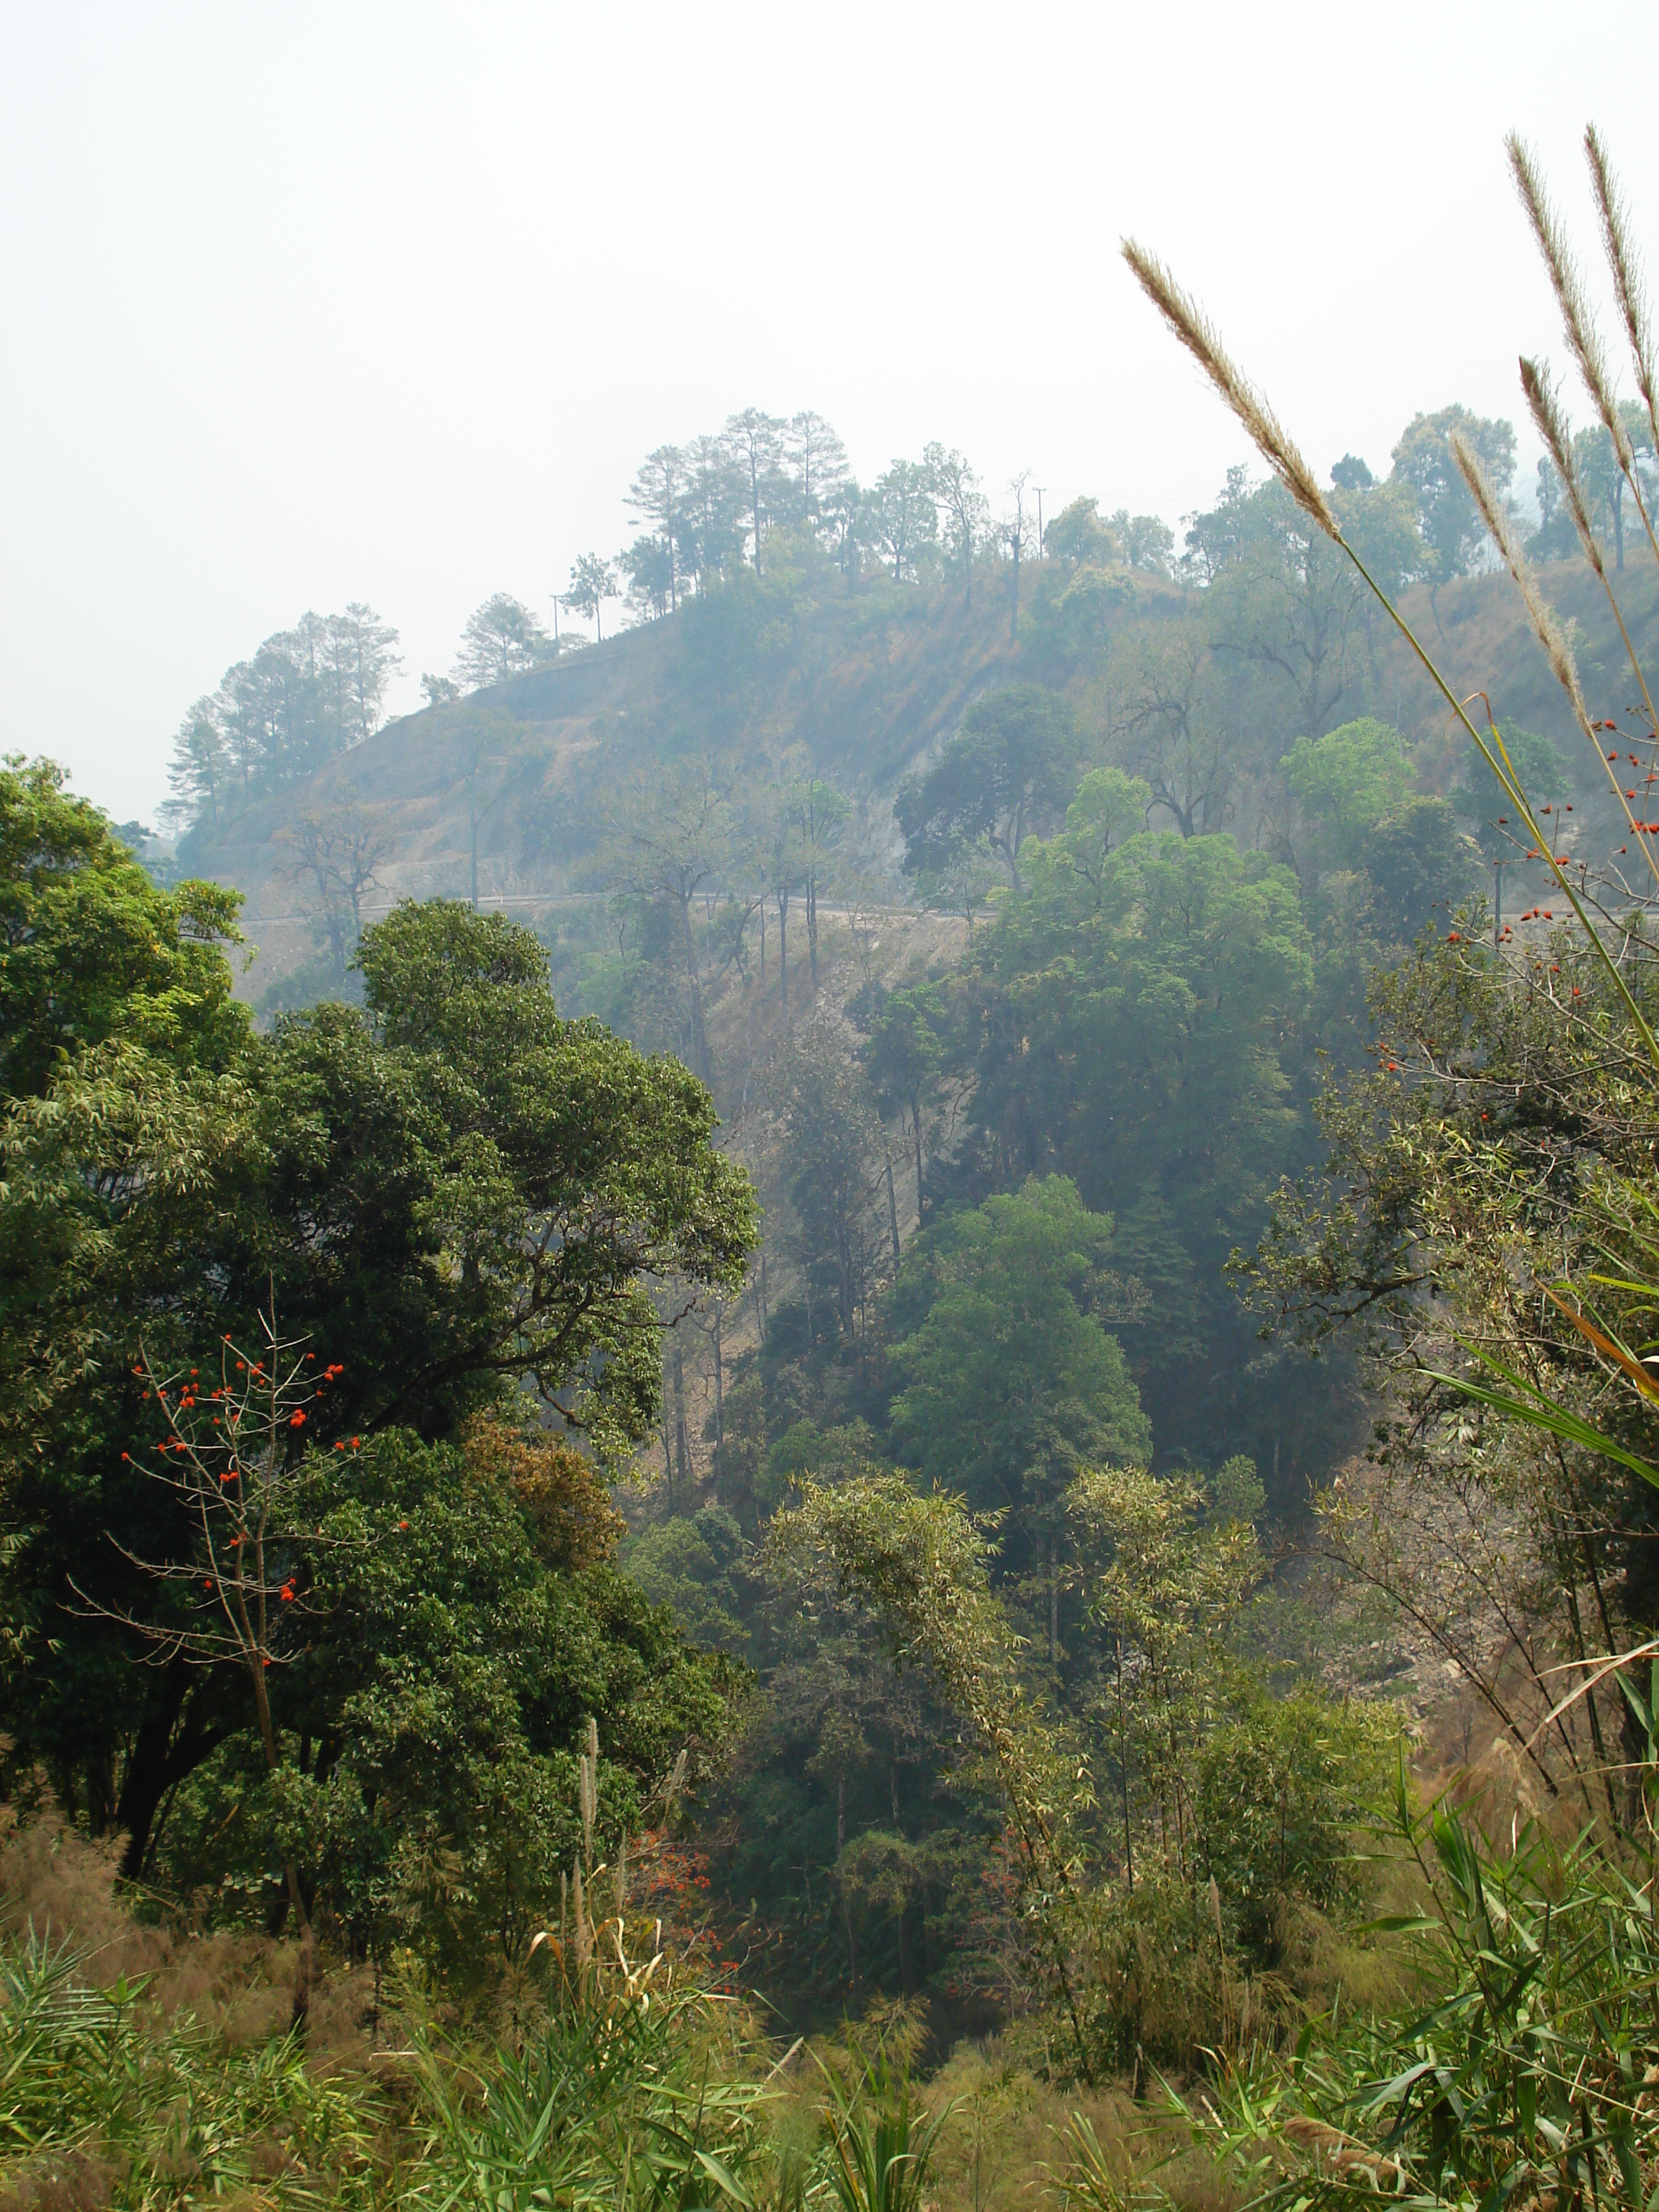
230	1449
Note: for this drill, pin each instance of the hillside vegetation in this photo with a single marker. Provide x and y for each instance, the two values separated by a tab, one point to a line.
937	1474
859	684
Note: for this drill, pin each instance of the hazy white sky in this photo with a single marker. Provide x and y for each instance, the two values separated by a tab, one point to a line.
307	303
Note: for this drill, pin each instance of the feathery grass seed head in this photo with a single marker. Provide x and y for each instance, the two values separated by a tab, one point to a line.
1548	629
1582	338
1546	409
1202	340
1627	278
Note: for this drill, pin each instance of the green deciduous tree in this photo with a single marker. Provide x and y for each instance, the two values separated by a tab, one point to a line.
902	516
592	582
1078	538
441	1658
1355	786
502	638
90	950
1452	529
1109	808
962	505
1347	781
1148	541
920	1566
1011	1381
1140	1032
904	1057
1010	767
453	1192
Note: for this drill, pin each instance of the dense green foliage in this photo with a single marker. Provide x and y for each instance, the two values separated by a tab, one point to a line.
984	1659
998	1229
454	1195
1010	1383
307	695
1520	2061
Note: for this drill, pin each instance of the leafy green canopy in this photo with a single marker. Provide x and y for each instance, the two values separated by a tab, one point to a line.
1010	764
1135	1035
1137	1023
1011	1381
571	1167
451	1193
436	1668
91	950
1355	789
1347	781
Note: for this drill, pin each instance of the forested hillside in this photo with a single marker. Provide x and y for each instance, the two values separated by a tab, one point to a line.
889	1302
806	671
912	769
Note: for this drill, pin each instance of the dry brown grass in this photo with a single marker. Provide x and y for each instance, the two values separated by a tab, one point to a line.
1005	2140
240	1985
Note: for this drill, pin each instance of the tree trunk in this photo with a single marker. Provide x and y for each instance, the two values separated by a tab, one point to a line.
719	1393
783	952
172	1742
892	1203
682	1441
1123	1771
915	1124
101	1789
290	1872
699	1036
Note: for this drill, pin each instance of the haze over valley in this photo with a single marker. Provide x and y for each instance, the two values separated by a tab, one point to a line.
826	1240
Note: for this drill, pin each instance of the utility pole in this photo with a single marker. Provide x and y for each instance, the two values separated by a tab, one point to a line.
1040	491
556	625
